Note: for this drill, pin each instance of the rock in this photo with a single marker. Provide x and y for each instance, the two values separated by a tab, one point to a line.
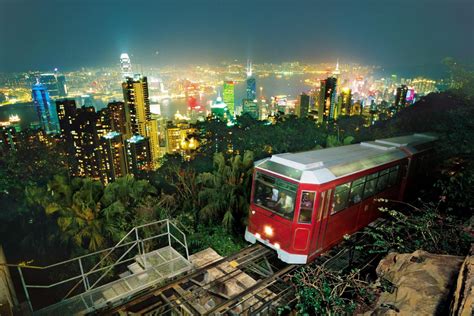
463	298
416	284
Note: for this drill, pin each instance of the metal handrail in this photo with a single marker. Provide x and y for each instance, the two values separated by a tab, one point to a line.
100	261
135	229
137	242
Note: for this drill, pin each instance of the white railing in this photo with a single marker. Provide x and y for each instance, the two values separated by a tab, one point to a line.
153	235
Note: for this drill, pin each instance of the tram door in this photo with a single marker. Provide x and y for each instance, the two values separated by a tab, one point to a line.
321	222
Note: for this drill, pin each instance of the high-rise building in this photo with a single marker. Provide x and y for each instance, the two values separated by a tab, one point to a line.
220	110
86	140
251	84
302	107
138	114
113	164
126	66
104	123
345	102
401	97
119	120
80	132
66	109
327	100
229	96
138	154
46	112
152	132
250	106
137	103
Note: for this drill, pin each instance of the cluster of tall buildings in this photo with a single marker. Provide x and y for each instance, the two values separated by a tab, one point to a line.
225	107
117	140
125	138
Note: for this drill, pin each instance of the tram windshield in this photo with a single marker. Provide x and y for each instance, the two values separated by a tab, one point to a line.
275	194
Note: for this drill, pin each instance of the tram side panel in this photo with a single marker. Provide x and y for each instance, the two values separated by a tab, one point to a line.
352	205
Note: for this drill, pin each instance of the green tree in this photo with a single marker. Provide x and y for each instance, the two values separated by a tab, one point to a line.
225	195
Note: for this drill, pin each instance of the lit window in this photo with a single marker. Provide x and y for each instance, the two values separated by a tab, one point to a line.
341	196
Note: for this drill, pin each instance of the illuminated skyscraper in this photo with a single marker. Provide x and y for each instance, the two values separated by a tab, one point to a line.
118	119
126	66
137	103
327	100
219	110
80	132
344	104
137	151
229	96
66	110
137	111
251	84
302	107
113	164
45	110
152	132
401	97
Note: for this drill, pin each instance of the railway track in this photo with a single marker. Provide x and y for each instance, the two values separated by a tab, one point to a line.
204	292
259	284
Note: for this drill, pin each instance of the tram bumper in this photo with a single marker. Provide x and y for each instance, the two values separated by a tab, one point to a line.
282	254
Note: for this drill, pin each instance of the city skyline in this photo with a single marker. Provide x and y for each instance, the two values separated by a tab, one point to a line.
165	32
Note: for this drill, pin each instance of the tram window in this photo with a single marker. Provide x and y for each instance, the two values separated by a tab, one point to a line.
382	182
341	195
369	188
322	200
393	176
356	191
306	206
276	195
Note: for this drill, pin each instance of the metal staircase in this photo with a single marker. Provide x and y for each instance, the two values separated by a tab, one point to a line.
146	256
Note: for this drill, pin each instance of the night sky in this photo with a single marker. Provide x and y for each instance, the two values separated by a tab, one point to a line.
70	34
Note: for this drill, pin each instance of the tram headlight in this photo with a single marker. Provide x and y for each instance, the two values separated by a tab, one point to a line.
253	212
268	231
277	245
258	235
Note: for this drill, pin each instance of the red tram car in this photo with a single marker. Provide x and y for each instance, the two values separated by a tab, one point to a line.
304	203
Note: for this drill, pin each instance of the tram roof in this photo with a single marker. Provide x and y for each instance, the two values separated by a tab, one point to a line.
324	165
413	143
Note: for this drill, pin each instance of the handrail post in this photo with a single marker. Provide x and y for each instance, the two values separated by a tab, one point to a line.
85	279
186	246
168	227
25	288
141	248
137	240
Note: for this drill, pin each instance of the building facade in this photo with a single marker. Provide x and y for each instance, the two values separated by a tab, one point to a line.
46	112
